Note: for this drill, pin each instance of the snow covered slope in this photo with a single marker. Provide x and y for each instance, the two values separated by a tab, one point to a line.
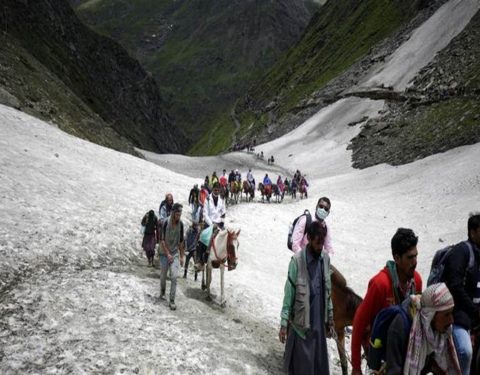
77	295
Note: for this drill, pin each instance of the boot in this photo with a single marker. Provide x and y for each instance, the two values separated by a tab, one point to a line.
185	274
172	305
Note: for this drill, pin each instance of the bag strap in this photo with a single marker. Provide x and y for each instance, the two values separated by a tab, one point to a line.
471	259
308	220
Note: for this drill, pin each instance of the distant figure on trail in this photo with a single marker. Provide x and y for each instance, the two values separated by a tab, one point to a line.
271	160
281	186
299	235
307	310
303	187
397	280
423	343
150	235
231	177
266	180
223	179
165	208
207	184
251	179
194	196
214	178
191	240
463	282
173	253
297	176
286	185
238	176
261	155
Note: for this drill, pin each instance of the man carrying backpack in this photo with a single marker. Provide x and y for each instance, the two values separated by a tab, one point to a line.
423	343
463	282
299	234
173	252
307	310
389	287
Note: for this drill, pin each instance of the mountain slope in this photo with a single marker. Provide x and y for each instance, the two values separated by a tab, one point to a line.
86	83
340	34
204	53
439	111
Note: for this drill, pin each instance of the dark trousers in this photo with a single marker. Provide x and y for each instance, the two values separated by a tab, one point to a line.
187	260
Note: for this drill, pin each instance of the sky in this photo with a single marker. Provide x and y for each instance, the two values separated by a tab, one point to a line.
78	297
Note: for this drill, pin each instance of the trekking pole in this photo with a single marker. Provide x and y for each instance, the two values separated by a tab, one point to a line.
341	347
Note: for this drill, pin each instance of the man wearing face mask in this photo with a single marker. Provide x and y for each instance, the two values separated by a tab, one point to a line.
299	235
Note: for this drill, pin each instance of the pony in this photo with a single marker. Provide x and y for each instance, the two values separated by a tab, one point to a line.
223	253
303	189
266	191
249	191
345	303
224	193
293	189
278	195
234	191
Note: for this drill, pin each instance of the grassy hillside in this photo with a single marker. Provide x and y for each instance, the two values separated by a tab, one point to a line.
203	53
340	34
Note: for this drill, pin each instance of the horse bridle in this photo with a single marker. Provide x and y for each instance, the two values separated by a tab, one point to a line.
231	256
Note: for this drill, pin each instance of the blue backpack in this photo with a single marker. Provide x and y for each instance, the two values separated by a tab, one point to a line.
438	263
377	348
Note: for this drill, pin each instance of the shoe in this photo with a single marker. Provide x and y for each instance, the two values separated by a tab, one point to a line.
172	305
162	295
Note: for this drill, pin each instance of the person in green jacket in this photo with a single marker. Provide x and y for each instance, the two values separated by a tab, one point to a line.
307	311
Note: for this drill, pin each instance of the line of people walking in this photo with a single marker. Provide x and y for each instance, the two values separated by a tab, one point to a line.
432	332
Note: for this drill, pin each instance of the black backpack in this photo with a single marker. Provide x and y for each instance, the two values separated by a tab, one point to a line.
292	227
438	263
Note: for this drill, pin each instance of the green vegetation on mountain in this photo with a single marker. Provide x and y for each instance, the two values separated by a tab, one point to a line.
203	53
57	69
340	34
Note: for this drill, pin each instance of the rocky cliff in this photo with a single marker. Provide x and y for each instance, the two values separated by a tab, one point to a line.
55	67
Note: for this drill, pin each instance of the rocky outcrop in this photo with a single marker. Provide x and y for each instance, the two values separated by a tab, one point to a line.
441	110
117	97
280	114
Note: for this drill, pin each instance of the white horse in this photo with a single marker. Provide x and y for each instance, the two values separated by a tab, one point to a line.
222	254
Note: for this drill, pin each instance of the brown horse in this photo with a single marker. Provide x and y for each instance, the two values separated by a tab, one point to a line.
266	191
249	191
235	191
302	189
345	303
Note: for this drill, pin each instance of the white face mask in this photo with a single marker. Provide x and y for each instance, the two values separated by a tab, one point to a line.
321	213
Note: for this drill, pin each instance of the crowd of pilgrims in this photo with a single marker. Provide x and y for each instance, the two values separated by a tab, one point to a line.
431	335
234	180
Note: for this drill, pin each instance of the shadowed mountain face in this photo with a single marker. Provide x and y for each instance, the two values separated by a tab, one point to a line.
107	97
203	53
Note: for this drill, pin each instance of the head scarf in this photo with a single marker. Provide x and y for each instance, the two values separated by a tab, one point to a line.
424	339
